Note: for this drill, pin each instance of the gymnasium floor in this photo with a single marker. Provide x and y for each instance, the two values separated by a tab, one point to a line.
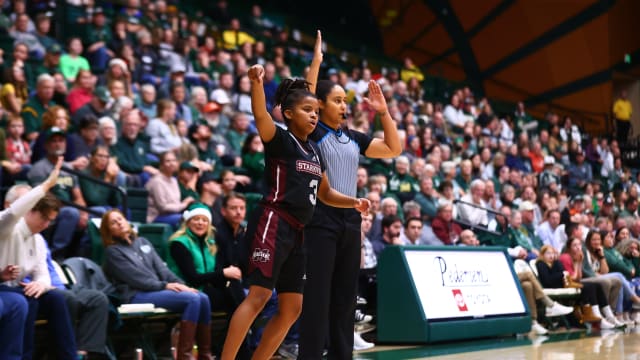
558	345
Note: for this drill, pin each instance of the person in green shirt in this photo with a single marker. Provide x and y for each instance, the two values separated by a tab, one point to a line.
253	161
37	105
188	175
73	61
99	197
97	36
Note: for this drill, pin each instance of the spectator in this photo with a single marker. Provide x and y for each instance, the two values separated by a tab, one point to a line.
549	231
73	61
165	205
178	96
146	102
69	219
622	111
97	37
107	131
18	152
97	106
468	238
14	92
427	198
253	161
36	106
446	230
13	313
22	34
162	131
188	175
102	167
27	216
412	231
390	235
572	259
132	151
402	185
86	139
580	173
82	91
471	208
88	308
57	116
142	277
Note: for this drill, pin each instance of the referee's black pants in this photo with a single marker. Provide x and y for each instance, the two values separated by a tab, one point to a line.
332	241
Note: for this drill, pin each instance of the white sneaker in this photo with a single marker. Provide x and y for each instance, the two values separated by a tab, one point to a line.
539	329
606	325
557	309
360	344
362	318
616	322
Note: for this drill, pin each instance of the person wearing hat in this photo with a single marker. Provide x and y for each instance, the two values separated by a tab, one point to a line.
97	36
196	257
188	175
548	178
98	106
580	173
69	218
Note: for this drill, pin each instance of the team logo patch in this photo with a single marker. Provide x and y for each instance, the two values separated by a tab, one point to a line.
459	299
261	255
308	167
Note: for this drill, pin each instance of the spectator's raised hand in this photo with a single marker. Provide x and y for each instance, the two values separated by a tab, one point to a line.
317	48
53	177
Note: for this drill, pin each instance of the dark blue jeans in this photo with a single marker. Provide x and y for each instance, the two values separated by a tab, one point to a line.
194	307
13	314
52	307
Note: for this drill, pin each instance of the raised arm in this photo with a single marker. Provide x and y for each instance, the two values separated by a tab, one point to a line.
390	146
331	197
314	68
264	122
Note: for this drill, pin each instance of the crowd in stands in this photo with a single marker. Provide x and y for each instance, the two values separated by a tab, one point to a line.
144	96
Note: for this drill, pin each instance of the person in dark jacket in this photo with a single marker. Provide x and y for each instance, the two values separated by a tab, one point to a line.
140	276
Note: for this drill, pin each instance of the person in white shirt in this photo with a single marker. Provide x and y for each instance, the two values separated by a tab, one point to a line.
453	114
19	225
474	215
551	232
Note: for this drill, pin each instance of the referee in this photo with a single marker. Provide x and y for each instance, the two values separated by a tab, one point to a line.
332	238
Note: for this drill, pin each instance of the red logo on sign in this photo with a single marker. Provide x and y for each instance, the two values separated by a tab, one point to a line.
457	296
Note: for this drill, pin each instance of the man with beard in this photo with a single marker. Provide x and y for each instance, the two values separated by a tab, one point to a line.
67	188
391	229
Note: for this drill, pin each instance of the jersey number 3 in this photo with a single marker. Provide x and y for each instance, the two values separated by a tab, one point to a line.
312	197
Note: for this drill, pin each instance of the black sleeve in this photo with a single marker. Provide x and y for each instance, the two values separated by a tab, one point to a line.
551	277
362	139
184	261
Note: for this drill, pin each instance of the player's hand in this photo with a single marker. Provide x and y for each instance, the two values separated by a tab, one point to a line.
317	49
256	73
376	99
362	205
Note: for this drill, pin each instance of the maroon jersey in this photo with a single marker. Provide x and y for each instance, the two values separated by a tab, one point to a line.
293	171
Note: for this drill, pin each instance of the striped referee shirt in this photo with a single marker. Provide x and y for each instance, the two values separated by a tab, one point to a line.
341	150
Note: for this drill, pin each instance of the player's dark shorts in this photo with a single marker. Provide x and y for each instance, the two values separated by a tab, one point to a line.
276	254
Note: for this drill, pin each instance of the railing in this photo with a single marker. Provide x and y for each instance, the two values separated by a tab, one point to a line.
479	227
100	182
